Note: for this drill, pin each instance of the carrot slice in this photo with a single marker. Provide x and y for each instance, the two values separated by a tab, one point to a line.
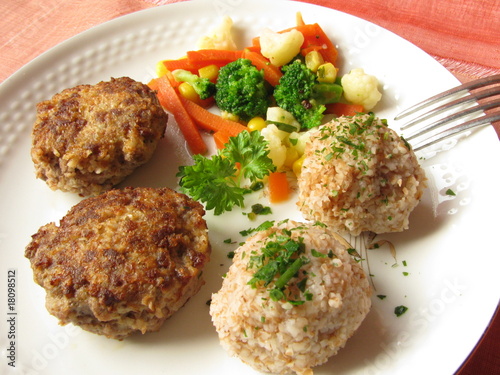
173	103
255	43
315	36
153	84
279	190
182	63
204	57
210	121
221	137
344	109
272	74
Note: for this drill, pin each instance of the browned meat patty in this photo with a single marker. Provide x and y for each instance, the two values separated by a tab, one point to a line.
123	261
88	138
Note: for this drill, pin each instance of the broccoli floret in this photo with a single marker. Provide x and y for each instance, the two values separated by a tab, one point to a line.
203	86
242	90
300	93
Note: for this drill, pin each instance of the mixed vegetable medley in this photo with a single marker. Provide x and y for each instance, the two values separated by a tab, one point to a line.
268	94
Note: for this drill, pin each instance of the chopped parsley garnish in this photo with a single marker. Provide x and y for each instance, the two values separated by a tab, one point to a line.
349	138
317	254
381	296
257	185
400	310
220	182
265	225
450	192
259	209
408	146
279	262
353	252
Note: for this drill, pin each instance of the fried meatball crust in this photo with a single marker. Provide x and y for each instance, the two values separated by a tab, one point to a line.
88	138
123	261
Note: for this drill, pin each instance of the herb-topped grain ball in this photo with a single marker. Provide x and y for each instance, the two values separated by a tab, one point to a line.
123	261
88	138
291	299
359	175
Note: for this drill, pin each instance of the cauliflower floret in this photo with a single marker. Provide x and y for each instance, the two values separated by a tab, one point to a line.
277	150
285	147
277	114
280	48
361	88
220	38
298	141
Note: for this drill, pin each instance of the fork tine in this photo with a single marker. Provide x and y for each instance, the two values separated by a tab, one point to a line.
471	98
484	120
442	96
469	111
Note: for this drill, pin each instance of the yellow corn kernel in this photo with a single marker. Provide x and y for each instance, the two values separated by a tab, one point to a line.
210	71
291	156
161	70
187	91
256	123
297	165
327	73
314	60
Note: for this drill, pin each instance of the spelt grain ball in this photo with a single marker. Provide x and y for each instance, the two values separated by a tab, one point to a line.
330	294
359	175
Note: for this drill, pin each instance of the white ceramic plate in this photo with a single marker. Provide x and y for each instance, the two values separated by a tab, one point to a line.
451	251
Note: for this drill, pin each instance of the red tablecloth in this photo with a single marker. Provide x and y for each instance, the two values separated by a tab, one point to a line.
462	35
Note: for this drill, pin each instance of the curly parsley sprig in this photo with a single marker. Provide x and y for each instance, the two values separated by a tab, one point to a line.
219	181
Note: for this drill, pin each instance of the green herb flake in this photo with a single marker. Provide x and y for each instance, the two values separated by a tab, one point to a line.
408	146
259	209
450	193
264	226
400	310
302	284
315	253
257	185
381	296
353	252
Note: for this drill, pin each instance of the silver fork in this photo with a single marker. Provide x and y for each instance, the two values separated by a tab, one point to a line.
461	108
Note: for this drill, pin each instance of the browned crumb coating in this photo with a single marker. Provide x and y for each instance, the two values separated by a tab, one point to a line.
88	138
123	261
